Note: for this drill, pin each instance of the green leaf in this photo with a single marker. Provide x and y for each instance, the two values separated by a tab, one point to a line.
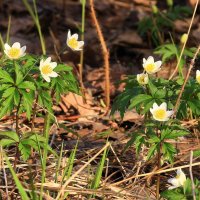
5	77
28	99
173	134
6	106
6	142
62	67
141	98
16	97
151	151
10	134
20	188
25	150
196	153
98	175
19	75
27	85
168	151
173	195
8	92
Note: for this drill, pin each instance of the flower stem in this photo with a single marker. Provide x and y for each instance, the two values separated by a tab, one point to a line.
158	176
17	131
158	165
82	38
34	114
46	135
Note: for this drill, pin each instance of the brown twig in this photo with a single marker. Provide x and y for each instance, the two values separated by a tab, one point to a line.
182	50
186	79
105	53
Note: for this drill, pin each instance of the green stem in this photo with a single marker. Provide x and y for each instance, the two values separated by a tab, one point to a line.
34	114
82	38
46	135
35	17
17	131
158	163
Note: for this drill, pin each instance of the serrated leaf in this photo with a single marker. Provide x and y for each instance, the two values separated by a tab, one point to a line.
10	134
5	77
151	151
8	92
139	99
6	106
27	85
173	195
19	75
6	142
25	150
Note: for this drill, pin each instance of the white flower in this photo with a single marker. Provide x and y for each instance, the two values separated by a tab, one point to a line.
14	52
73	43
46	68
198	76
150	66
160	113
178	181
143	79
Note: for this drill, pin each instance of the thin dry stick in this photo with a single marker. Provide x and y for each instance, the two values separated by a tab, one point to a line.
118	160
191	176
105	53
186	79
182	50
79	171
155	172
4	171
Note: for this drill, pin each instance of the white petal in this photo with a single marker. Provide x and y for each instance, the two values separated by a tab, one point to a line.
163	106
158	64
16	45
68	34
155	106
144	60
53	65
23	49
47	61
46	78
170	113
7	47
53	74
41	63
150	59
171	187
80	44
75	36
198	73
174	182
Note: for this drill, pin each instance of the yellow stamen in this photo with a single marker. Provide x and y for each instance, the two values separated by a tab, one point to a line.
141	79
46	69
73	43
14	52
149	67
160	114
198	79
177	176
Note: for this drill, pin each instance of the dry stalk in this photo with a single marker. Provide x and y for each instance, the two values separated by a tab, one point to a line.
182	50
105	53
186	79
191	176
156	172
79	171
